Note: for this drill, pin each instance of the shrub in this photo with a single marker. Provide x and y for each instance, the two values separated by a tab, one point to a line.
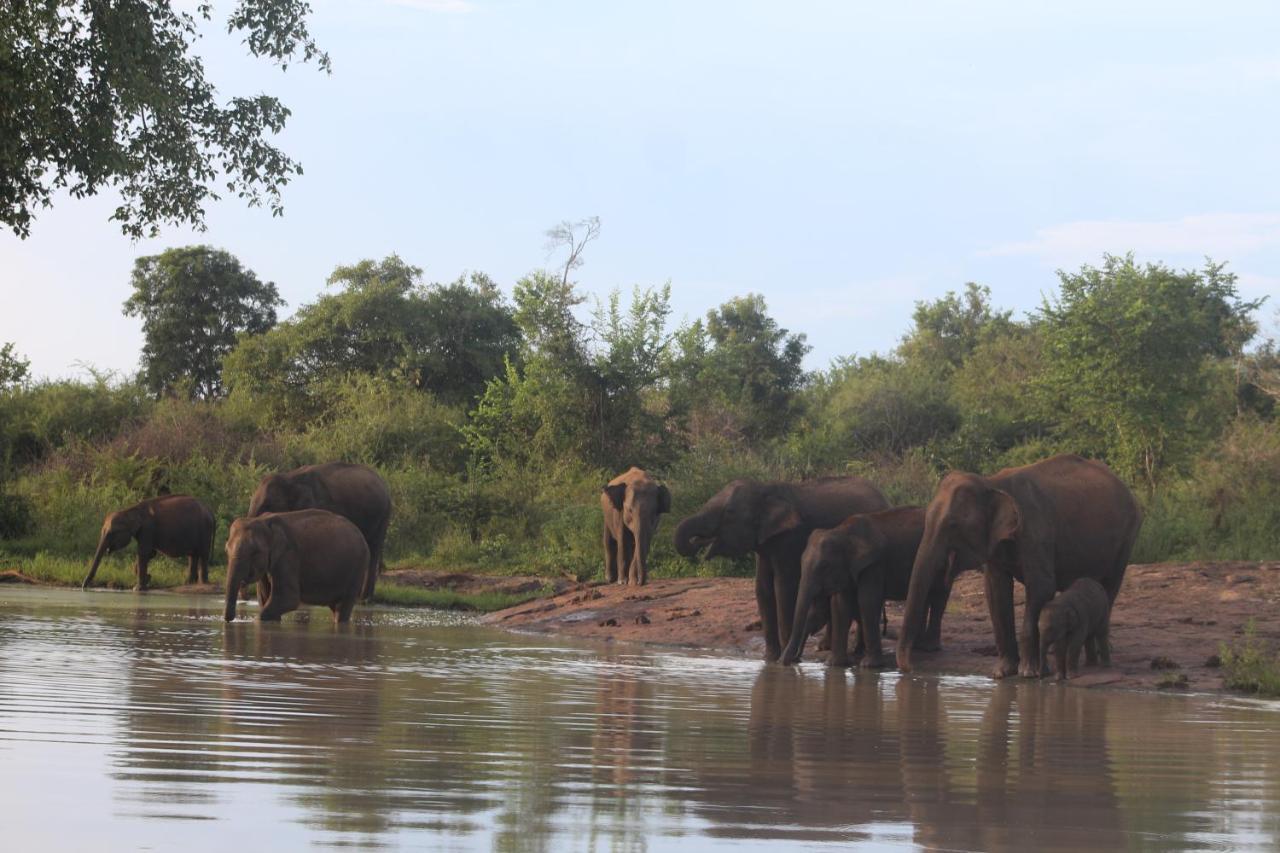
1250	665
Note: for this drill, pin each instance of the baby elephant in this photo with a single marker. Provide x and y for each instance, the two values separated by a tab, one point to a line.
1079	617
309	556
173	525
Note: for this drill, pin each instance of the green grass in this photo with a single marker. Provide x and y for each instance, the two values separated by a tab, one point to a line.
115	572
1250	666
447	599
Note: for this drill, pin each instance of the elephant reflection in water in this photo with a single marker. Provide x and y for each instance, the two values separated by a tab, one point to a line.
626	745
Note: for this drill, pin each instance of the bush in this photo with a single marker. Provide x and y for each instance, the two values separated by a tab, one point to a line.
1250	666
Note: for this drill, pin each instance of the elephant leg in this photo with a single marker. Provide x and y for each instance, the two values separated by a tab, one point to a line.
1061	659
838	628
1074	642
767	604
870	602
371	574
624	556
144	560
1000	606
610	557
931	641
786	587
342	611
1091	650
1037	596
193	568
281	598
264	590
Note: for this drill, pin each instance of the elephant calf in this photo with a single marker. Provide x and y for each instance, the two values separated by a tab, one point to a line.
632	503
309	556
173	525
1079	617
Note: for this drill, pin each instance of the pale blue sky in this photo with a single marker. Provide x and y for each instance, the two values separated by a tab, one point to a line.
843	159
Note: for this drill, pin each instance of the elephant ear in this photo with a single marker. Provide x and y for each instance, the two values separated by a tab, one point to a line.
1005	518
866	544
616	494
779	517
664	499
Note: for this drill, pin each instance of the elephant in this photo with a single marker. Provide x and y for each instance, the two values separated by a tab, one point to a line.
774	520
632	503
861	563
1079	617
355	492
308	556
1046	524
173	525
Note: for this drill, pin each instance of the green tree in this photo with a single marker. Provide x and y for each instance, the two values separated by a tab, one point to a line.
14	369
1135	358
96	94
194	302
949	329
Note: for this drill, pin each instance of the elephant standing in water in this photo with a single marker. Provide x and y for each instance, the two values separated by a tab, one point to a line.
1046	524
632	502
173	525
774	520
355	492
310	556
863	562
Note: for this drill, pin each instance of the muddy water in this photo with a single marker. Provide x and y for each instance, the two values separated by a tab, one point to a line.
133	722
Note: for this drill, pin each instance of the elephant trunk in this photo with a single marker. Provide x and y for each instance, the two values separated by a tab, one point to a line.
931	559
805	598
689	533
97	559
233	588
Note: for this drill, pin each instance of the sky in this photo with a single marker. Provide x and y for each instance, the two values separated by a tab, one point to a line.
844	159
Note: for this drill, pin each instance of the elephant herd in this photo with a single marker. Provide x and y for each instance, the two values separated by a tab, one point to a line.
314	535
832	551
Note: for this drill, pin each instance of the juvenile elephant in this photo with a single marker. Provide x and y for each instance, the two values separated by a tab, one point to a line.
774	520
863	562
632	502
173	525
1078	618
308	556
1046	524
355	492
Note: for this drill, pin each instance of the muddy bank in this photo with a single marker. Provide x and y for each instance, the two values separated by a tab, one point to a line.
1173	614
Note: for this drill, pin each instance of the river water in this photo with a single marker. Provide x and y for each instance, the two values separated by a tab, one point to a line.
143	722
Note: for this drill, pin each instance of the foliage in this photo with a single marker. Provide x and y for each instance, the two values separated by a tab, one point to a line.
1250	666
1129	360
194	302
112	94
14	369
947	331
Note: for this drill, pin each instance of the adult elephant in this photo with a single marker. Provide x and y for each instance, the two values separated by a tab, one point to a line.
774	520
355	492
632	503
309	556
860	564
173	525
1046	525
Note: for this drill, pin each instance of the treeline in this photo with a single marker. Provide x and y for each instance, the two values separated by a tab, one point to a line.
497	420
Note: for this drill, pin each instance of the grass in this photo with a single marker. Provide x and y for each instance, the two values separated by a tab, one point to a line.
447	599
1250	666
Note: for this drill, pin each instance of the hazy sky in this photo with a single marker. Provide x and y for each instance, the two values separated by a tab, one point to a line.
844	159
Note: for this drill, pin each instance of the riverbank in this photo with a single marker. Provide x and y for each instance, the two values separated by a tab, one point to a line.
1168	625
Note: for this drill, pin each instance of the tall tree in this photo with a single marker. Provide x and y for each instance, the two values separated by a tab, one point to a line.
14	369
96	94
1133	355
949	329
194	302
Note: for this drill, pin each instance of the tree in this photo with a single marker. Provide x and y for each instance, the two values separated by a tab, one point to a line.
448	339
194	302
14	369
1134	355
96	94
949	329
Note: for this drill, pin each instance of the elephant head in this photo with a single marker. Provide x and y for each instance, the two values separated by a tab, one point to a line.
964	524
832	561
739	517
117	530
252	543
282	493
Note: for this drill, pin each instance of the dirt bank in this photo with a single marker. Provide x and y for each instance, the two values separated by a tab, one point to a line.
1175	614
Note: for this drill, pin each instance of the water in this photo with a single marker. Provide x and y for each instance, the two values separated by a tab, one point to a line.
143	722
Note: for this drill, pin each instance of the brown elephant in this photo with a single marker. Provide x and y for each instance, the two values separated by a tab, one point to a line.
356	492
1046	524
632	503
309	556
860	564
174	525
774	520
1075	619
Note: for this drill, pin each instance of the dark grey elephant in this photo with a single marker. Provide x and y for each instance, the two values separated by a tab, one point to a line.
355	492
173	525
310	556
1079	618
774	521
1046	524
632	503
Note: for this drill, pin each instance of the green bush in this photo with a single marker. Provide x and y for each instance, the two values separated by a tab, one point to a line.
1250	666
